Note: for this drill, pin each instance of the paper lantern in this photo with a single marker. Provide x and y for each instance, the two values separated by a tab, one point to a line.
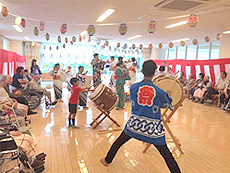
63	28
125	46
71	42
160	45
4	11
141	46
207	39
118	44
50	48
44	47
80	38
123	29
74	39
192	20
218	36
18	20
106	43
64	46
57	47
59	39
195	41
150	46
182	43
23	23
42	26
152	27
133	46
47	36
91	30
66	40
98	41
36	31
171	45
115	49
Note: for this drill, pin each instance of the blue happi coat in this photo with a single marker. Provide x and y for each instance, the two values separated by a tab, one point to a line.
145	123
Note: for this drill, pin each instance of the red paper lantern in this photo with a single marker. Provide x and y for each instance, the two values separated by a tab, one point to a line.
152	27
193	20
63	28
118	44
23	23
195	41
41	25
80	38
123	29
171	45
150	46
71	42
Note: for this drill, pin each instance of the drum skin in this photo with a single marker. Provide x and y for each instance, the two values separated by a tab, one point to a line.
172	85
105	98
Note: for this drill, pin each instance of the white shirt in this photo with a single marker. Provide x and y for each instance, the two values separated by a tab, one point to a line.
222	83
3	93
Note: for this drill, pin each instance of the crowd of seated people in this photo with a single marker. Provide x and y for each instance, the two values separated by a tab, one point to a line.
14	110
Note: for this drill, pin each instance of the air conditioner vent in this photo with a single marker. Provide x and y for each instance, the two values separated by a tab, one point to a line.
181	5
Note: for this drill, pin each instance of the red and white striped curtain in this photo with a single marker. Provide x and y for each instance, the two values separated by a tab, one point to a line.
212	68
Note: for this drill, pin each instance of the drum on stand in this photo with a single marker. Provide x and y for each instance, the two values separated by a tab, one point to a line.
104	97
172	85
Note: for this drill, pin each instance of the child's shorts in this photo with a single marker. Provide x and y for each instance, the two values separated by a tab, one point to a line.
73	108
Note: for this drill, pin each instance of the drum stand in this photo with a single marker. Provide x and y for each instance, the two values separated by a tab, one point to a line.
166	119
106	114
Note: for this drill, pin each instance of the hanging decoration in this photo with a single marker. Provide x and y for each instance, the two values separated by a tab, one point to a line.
64	46
110	48
91	30
71	42
150	46
218	36
4	11
141	46
195	41
98	41
74	39
47	36
50	48
80	38
106	43
57	47
171	45
123	29
115	49
59	39
36	31
23	23
42	26
207	39
182	43
18	20
118	44
192	20
152	27
125	46
44	47
133	46
160	45
66	40
63	28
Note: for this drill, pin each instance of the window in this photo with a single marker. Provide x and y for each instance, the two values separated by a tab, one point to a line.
203	51
172	53
191	52
181	52
215	50
164	53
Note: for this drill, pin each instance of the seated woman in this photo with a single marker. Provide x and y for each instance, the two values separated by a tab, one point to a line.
224	98
199	93
189	82
182	79
20	109
196	85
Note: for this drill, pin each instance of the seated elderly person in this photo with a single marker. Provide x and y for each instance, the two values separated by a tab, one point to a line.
189	82
35	86
224	98
19	108
221	84
17	95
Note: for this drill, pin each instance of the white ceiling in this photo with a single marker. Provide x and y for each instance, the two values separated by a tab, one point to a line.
78	14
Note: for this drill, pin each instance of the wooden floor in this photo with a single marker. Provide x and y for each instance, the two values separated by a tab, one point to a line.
204	133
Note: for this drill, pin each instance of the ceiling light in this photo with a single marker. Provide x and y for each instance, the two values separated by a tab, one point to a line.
18	28
83	33
27	39
179	40
105	15
0	8
176	24
226	32
134	37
